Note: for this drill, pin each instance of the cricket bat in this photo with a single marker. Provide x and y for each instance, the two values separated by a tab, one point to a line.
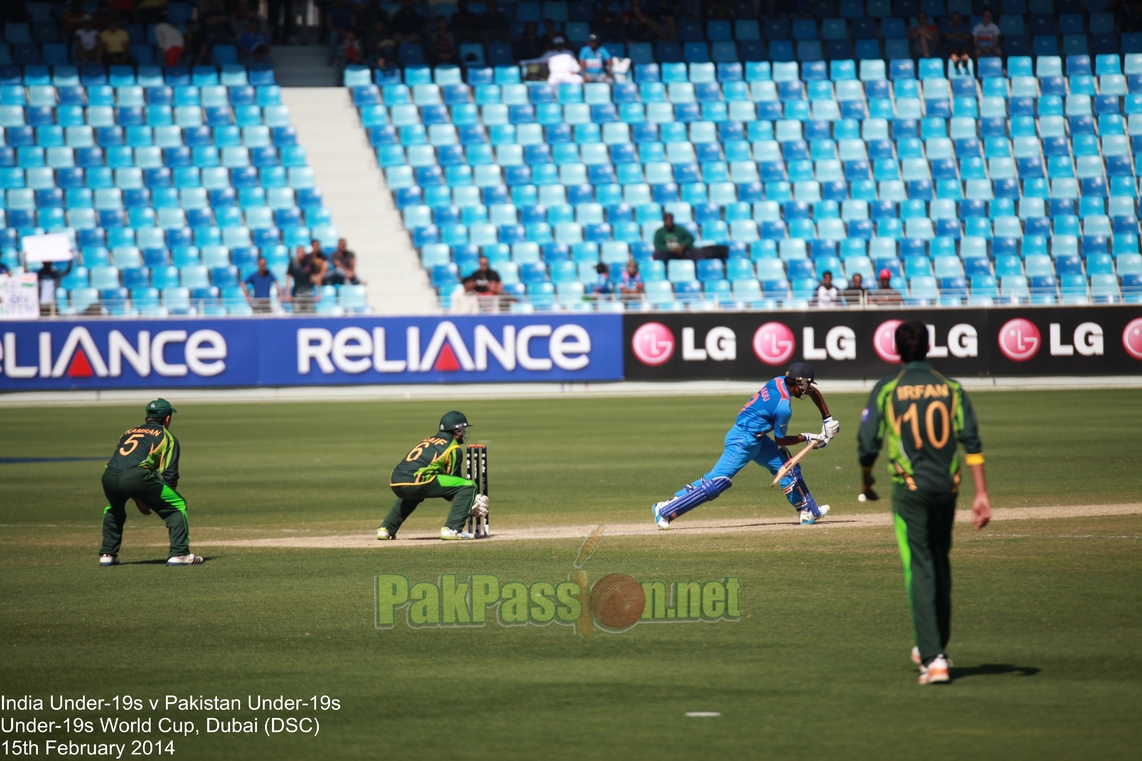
788	466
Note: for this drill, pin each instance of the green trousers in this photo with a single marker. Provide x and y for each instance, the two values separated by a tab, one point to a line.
144	485
460	491
924	532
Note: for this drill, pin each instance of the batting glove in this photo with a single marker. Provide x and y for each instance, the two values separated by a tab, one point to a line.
816	439
830	427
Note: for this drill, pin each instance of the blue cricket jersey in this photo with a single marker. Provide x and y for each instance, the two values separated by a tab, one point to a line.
767	410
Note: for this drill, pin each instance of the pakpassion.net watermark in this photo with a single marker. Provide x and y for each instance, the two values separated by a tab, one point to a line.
614	603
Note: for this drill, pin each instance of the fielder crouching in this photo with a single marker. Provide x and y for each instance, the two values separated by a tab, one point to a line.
144	468
767	411
434	469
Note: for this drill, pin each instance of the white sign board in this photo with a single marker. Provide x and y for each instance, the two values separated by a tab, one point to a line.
47	248
19	297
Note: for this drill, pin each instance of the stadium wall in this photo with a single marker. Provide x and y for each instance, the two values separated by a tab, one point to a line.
568	349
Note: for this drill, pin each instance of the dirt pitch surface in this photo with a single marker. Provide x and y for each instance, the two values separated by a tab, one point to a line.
725	526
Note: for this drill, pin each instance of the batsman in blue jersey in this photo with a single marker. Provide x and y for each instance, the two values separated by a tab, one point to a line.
767	412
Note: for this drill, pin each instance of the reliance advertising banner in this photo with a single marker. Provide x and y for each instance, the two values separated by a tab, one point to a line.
104	354
860	344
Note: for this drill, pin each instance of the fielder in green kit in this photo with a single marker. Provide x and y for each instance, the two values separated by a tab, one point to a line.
924	417
144	468
434	469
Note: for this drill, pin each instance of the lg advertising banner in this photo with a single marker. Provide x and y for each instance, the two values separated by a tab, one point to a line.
104	354
858	344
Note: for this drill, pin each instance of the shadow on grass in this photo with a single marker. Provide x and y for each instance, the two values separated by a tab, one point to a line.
993	669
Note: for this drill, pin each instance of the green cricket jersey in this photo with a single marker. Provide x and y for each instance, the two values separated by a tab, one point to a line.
438	455
149	446
680	235
924	416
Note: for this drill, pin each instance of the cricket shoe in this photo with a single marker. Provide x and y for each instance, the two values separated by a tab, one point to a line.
917	660
188	559
661	520
108	560
451	533
935	672
807	517
384	535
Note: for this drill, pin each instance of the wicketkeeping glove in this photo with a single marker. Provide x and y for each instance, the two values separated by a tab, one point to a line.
830	427
480	507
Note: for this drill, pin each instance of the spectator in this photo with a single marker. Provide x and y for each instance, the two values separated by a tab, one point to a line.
595	61
885	294
958	37
924	37
73	18
466	23
632	284
986	36
151	11
253	43
639	25
351	51
407	24
608	24
494	24
215	25
49	278
339	21
320	262
258	287
550	34
562	68
344	265
367	16
603	285
673	241
194	49
856	293
116	44
282	21
170	40
443	47
529	45
485	281
299	278
380	47
88	47
240	18
827	294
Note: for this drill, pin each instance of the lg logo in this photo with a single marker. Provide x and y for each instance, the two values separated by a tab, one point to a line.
1132	338
1020	340
963	341
653	344
773	343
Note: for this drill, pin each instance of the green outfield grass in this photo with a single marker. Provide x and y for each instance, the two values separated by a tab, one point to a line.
1048	613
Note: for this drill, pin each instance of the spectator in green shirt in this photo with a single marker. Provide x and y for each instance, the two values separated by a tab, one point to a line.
673	241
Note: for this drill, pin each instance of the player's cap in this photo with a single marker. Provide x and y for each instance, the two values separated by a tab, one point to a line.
885	273
592	38
452	420
159	408
800	370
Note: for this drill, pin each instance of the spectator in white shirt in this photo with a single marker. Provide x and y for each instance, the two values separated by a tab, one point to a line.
170	40
986	36
827	294
562	68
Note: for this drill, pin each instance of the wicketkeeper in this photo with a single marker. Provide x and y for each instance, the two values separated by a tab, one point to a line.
144	468
924	416
766	412
434	468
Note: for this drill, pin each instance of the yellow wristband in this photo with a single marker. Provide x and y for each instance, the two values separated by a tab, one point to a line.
974	459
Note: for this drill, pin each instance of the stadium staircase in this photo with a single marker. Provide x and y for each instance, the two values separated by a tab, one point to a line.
344	165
